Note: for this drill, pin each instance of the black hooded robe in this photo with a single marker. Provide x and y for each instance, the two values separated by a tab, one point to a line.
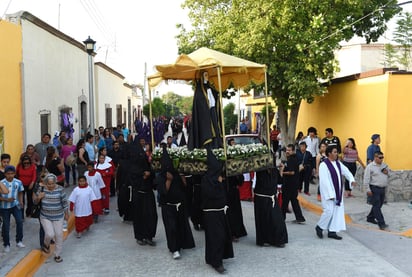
196	210
269	222
234	213
218	236
178	232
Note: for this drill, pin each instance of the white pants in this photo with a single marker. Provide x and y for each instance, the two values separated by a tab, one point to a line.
53	229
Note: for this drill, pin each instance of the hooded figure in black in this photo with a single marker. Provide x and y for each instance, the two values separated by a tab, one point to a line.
136	200
217	231
269	222
171	188
206	125
234	212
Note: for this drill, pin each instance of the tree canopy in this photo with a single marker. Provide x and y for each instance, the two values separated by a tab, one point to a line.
295	39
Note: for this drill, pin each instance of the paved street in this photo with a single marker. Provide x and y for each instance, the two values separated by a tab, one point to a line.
110	250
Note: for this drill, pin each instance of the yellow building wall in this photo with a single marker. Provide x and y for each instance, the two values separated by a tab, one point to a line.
356	109
10	89
399	118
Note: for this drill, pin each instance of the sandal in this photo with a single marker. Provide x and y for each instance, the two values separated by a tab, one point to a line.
45	249
58	259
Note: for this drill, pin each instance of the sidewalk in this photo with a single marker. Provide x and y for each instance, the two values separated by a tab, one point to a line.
397	215
9	261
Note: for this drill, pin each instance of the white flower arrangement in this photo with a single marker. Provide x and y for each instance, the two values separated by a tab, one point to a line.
232	152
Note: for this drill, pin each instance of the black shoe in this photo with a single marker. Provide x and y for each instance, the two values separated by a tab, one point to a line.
319	232
333	235
299	221
141	242
281	245
220	269
371	220
383	226
149	242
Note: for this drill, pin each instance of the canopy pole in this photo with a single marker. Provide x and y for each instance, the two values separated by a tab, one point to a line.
221	111
267	110
151	119
238	111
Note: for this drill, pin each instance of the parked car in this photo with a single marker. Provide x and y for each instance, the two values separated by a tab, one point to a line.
244	138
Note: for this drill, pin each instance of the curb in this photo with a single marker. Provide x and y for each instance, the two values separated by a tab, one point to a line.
29	265
317	209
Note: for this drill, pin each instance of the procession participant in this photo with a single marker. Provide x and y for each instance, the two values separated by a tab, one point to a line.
95	182
106	169
331	191
81	200
289	171
217	231
269	222
196	210
178	233
234	212
143	200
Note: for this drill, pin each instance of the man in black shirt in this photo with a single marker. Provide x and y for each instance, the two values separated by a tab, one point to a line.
290	173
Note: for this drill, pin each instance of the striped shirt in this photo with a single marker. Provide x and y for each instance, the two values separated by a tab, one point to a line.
350	155
53	204
15	186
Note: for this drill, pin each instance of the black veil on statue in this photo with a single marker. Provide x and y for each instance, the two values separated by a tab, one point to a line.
206	127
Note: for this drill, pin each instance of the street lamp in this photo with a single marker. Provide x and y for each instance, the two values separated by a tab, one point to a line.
89	43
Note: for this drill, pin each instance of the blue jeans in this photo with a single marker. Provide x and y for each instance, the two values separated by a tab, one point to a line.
67	170
5	231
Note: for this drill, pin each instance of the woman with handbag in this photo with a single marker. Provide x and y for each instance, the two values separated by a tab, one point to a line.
54	208
54	165
68	154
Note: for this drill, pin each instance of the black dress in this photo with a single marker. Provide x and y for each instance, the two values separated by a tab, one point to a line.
269	222
234	213
217	230
178	233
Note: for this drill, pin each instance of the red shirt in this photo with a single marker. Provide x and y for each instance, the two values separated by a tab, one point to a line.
26	175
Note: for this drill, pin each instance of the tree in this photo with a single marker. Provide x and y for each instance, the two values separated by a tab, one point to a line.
390	56
403	37
295	39
185	104
158	108
230	119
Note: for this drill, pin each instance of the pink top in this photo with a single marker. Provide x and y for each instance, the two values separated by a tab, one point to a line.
350	155
67	150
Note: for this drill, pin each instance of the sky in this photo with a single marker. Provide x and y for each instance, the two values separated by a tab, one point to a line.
128	33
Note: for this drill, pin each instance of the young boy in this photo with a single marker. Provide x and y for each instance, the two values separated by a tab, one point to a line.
5	161
81	200
11	202
95	181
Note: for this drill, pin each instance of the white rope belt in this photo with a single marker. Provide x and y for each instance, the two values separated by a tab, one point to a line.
177	205
224	209
130	193
268	196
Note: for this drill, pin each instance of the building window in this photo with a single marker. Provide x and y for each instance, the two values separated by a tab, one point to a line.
45	123
129	113
83	119
108	117
119	115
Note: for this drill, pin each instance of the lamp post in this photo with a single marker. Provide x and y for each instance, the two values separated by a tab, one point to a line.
89	43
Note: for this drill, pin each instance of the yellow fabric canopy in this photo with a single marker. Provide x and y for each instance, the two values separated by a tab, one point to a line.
233	70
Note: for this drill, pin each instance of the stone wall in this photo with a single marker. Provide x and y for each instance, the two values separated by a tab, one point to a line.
399	187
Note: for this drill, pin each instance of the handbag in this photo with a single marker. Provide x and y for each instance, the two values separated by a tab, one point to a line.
35	210
71	160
